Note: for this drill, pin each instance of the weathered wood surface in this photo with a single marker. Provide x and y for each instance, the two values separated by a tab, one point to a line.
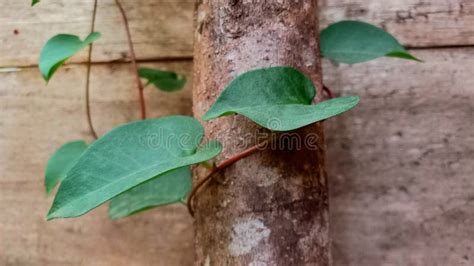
160	28
401	164
416	23
164	28
34	121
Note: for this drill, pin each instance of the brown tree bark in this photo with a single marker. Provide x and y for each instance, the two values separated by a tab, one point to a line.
270	208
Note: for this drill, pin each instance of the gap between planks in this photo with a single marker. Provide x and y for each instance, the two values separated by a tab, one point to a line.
143	61
190	58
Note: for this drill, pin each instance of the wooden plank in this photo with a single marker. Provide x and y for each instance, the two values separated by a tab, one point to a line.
34	121
416	23
24	30
160	28
164	28
400	166
401	163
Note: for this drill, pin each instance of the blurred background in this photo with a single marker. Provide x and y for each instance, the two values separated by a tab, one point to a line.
401	165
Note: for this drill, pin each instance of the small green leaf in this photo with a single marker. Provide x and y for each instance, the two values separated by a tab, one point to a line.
34	2
353	42
167	189
128	156
277	98
59	49
61	162
163	80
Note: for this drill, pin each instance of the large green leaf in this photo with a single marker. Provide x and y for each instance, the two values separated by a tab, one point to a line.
353	42
61	162
163	80
59	49
34	2
128	156
167	189
278	98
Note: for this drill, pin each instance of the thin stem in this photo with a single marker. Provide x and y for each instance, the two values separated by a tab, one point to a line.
88	78
134	61
219	168
328	92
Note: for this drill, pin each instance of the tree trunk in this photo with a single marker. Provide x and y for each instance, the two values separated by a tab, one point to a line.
270	208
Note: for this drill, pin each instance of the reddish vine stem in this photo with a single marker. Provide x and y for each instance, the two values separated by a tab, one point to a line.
328	92
219	168
134	61
88	78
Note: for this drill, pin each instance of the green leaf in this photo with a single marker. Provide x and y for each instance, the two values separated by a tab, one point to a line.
128	156
167	189
61	162
34	2
163	80
353	42
59	49
277	98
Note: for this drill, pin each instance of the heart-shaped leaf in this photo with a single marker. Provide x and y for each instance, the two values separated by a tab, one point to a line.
61	162
167	189
353	42
127	157
59	49
277	98
34	2
163	80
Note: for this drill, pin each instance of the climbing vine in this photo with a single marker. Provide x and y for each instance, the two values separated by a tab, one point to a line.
145	164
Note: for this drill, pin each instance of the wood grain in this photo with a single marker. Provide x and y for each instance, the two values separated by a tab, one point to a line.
160	28
401	164
415	23
164	28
